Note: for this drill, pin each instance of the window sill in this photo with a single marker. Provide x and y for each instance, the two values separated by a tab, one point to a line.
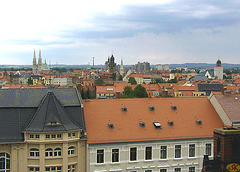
33	157
130	162
54	157
192	158
150	160
163	159
115	163
177	159
99	164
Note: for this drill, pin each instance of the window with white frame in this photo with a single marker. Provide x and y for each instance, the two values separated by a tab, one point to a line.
191	152
148	153
147	170
208	149
4	162
71	168
49	152
177	151
115	155
177	169
163	170
53	169
71	150
100	156
58	152
191	169
34	169
133	154
34	152
163	152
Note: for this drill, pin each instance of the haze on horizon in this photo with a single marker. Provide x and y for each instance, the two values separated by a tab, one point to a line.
160	32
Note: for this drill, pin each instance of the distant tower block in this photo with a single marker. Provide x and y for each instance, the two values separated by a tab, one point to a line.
218	70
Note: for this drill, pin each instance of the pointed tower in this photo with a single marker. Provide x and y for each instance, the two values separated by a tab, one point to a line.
34	66
51	116
218	70
39	63
121	68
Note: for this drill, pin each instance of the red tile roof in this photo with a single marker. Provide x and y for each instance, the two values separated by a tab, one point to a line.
98	113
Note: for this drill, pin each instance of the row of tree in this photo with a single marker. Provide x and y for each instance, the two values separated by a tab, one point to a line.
138	92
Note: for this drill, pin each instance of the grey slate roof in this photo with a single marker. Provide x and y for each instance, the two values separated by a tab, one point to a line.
18	107
208	88
200	78
51	116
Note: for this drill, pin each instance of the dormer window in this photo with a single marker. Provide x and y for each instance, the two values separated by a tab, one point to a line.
110	125
170	123
174	107
151	108
157	125
53	123
199	122
124	109
142	124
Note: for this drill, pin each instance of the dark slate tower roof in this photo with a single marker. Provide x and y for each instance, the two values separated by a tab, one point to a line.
51	116
31	110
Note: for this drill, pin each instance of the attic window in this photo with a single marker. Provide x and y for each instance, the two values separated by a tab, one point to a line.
152	108
110	125
142	124
124	109
170	123
157	125
236	98
174	107
53	123
199	122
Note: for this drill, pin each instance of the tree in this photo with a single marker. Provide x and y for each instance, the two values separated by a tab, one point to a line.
120	78
88	94
158	80
30	81
82	94
132	81
99	82
128	92
140	91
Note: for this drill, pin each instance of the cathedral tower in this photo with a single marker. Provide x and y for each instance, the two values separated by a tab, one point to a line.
34	66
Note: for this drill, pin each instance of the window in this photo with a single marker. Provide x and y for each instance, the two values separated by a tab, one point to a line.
31	136
209	149
100	156
115	155
49	152
73	134
148	153
163	152
37	136
34	169
191	169
57	152
69	135
59	136
53	169
53	136
71	150
71	168
192	150
34	152
47	136
59	169
133	154
147	170
177	151
163	170
177	169
4	162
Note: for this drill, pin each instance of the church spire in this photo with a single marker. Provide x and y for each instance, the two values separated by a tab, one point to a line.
39	63
34	66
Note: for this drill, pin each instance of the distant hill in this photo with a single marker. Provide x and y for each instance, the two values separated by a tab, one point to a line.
188	65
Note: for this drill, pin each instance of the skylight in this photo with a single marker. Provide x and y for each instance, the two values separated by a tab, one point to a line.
142	124
110	125
124	109
174	107
157	125
151	108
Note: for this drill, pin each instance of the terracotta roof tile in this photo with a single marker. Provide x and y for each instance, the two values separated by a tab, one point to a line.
98	113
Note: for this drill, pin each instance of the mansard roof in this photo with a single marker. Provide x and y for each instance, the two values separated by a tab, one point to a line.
24	109
51	116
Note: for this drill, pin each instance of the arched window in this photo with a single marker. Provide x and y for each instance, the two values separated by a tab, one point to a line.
71	150
4	162
49	152
57	152
34	152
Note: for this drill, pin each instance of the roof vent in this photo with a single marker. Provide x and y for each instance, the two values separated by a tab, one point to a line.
110	125
170	123
142	124
199	122
157	125
236	98
152	108
174	107
124	109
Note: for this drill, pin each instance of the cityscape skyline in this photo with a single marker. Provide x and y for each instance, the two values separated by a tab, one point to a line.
166	32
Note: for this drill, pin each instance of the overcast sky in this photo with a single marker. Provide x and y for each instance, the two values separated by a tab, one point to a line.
157	31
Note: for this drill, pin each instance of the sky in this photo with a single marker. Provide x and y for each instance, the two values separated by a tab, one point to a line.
156	31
